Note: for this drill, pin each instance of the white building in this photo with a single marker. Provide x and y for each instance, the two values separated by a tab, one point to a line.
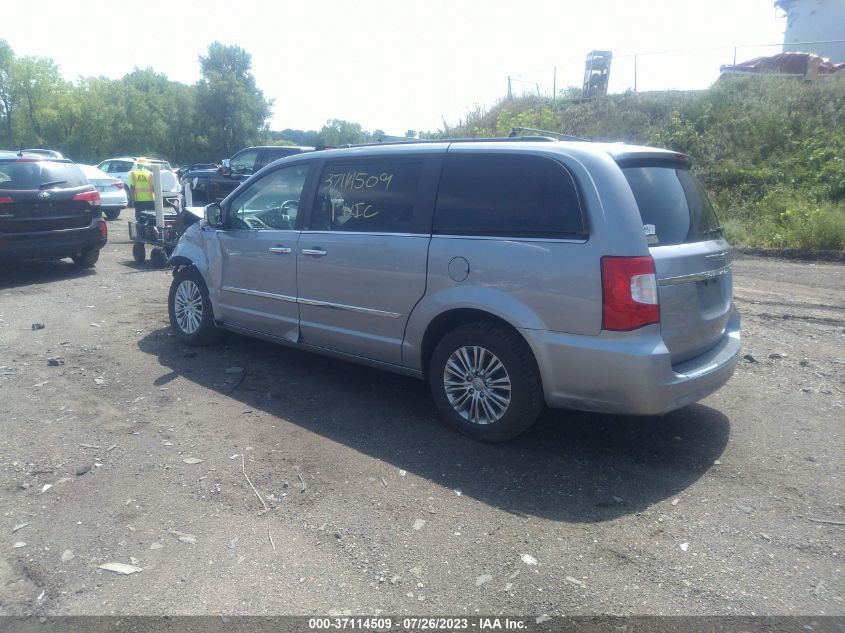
815	26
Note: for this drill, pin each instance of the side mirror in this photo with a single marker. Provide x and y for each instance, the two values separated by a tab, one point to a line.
214	215
226	167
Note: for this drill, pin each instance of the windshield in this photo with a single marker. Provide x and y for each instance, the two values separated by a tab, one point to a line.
673	205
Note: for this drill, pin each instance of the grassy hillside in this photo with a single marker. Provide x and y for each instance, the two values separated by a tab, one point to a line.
770	150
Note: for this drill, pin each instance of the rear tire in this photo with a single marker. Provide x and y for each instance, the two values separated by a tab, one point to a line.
189	308
485	382
139	253
112	214
87	259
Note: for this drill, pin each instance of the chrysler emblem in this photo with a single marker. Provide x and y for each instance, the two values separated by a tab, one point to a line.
44	195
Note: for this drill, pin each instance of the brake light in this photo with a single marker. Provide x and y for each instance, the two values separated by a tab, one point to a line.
5	200
104	230
89	196
629	293
118	184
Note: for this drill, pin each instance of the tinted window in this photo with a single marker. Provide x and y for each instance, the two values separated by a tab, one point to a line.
673	205
269	155
507	195
271	202
37	175
244	163
375	195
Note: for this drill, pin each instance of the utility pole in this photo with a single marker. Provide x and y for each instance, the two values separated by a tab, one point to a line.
635	73
554	84
510	94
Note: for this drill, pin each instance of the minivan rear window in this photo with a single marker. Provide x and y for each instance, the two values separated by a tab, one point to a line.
507	195
40	174
673	205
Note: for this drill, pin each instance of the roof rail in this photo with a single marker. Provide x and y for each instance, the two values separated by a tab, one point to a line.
515	132
488	139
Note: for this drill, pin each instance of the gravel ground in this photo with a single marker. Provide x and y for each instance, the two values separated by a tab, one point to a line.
731	506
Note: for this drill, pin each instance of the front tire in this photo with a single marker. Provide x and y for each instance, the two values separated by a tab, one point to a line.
87	259
485	382
189	307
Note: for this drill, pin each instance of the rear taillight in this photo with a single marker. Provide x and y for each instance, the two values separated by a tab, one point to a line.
118	184
629	293
104	230
5	200
89	196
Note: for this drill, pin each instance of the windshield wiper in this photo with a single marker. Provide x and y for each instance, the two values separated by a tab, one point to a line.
50	183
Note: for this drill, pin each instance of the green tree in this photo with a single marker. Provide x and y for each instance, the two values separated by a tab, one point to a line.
38	83
229	103
8	96
338	132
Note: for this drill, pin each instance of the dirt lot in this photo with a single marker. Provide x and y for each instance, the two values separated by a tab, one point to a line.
735	505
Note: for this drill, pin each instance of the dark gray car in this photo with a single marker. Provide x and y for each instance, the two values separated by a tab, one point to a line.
512	274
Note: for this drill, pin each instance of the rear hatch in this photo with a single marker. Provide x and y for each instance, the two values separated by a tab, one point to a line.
691	257
40	195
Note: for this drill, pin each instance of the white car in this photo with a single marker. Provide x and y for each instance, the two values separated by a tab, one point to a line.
112	190
120	168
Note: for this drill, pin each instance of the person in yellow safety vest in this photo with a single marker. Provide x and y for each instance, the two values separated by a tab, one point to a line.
141	187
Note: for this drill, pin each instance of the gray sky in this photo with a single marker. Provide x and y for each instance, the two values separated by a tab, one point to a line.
402	64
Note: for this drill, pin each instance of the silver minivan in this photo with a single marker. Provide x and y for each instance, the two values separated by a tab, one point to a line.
512	274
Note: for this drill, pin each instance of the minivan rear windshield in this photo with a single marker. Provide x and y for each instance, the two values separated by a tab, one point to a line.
673	205
27	174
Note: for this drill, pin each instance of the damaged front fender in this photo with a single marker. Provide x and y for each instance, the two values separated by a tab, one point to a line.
190	251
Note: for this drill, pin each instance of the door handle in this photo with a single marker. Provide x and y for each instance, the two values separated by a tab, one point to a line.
280	249
314	252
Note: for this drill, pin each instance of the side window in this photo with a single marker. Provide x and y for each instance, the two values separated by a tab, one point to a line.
507	195
268	155
244	163
121	166
272	202
367	196
106	166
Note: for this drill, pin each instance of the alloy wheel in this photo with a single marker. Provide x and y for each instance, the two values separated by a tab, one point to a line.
477	385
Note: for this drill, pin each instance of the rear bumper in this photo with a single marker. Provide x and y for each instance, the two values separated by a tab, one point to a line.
629	374
61	243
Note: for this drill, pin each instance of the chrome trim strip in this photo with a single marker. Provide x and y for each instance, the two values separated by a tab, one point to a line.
685	279
502	238
452	237
309	232
258	293
341	306
312	302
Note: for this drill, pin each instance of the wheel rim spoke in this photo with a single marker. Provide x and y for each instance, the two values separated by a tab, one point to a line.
187	306
477	384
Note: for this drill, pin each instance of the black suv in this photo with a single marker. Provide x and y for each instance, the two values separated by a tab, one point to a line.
212	185
48	209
